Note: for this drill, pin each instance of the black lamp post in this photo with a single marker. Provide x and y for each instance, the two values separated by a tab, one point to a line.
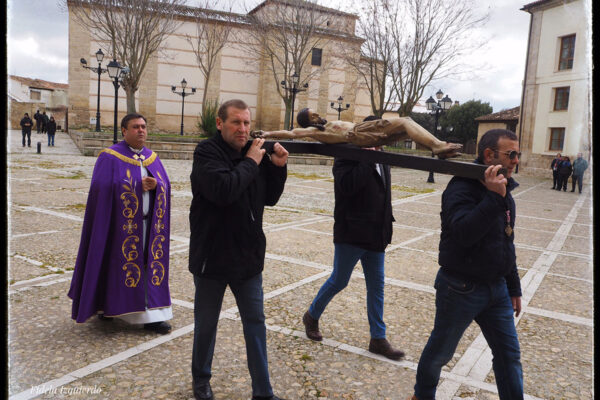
99	71
437	108
340	108
294	89
183	94
116	73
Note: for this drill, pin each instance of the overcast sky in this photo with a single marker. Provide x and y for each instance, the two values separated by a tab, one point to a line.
38	48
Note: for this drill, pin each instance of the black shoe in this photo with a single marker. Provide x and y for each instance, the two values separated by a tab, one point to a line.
102	317
572	190
203	392
266	398
553	187
384	348
158	327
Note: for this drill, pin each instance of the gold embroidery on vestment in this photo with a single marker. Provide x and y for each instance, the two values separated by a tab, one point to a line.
129	160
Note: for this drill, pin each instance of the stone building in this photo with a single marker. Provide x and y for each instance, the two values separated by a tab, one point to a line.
505	119
555	110
238	74
27	95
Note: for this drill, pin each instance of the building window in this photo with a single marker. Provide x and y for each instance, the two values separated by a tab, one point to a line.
561	98
557	139
35	95
316	57
408	144
567	52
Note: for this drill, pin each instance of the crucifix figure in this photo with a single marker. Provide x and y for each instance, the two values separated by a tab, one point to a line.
373	133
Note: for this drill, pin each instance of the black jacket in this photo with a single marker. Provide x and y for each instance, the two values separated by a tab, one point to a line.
229	195
51	127
473	243
565	168
363	206
26	124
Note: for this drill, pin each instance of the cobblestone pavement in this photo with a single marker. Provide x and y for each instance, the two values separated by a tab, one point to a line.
53	357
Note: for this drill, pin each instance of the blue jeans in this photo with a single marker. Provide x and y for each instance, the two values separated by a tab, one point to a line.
50	139
344	260
207	307
458	303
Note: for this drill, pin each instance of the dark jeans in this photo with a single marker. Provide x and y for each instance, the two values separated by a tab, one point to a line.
28	134
50	139
458	303
579	180
344	260
554	179
207	307
563	180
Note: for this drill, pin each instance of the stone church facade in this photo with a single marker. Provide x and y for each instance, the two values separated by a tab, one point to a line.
238	74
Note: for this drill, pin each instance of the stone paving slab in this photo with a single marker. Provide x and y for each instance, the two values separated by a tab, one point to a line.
556	358
46	194
61	344
565	295
573	266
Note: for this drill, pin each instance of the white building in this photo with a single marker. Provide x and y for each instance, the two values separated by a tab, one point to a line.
555	111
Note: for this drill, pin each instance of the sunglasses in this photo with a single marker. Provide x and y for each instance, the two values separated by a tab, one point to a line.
511	154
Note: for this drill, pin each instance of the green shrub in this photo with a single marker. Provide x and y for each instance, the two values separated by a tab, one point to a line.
208	119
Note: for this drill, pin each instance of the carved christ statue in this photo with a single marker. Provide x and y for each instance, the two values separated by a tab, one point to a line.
373	133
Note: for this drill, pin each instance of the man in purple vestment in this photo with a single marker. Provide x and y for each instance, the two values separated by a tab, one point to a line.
122	268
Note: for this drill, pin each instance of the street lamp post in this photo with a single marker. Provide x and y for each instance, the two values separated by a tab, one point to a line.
294	89
116	73
340	108
182	94
99	71
437	108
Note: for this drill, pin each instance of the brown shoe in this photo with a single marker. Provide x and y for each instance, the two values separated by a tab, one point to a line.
383	347
414	397
311	326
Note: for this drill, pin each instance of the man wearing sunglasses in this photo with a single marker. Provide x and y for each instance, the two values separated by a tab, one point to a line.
478	279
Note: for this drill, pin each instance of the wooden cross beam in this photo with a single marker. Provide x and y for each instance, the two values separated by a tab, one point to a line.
458	168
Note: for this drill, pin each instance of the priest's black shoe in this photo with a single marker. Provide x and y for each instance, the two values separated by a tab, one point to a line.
266	398
158	327
102	317
203	392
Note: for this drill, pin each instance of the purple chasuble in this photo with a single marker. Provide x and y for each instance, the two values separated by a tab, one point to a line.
111	262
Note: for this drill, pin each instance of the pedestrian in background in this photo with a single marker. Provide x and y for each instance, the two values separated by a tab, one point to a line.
38	123
26	124
579	167
564	171
51	130
554	168
44	118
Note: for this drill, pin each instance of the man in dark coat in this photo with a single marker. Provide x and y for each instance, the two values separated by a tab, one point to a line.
362	230
38	122
26	124
478	279
232	181
44	120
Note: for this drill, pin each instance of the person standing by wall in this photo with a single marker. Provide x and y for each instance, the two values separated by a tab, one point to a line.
51	128
38	122
579	167
26	124
44	120
554	168
564	171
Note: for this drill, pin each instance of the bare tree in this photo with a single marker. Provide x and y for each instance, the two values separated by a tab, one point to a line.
430	45
283	34
133	29
410	43
374	63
